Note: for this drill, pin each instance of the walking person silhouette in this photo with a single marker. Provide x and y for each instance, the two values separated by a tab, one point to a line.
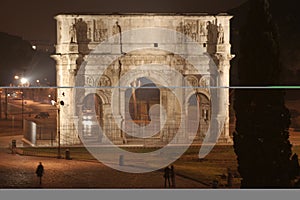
167	176
172	175
40	171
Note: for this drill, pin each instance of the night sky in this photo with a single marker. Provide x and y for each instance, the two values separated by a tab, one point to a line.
33	19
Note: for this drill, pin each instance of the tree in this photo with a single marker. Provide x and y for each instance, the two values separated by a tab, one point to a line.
261	138
15	57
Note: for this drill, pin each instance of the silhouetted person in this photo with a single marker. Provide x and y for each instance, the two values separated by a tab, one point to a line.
294	166
229	178
40	171
167	176
172	175
215	184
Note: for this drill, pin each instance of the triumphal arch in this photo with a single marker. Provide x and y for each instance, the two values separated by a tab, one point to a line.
112	69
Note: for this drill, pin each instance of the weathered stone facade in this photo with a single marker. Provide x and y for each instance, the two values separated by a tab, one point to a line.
79	35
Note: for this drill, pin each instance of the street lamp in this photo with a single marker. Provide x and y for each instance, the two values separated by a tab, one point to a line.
6	102
61	103
1	104
22	93
24	81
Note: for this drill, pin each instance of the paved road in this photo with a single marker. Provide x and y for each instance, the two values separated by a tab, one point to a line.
19	172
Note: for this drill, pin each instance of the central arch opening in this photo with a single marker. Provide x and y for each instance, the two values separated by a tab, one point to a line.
142	95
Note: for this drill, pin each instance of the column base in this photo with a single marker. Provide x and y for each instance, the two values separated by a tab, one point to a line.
225	140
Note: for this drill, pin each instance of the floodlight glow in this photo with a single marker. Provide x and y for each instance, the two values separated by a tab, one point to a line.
24	80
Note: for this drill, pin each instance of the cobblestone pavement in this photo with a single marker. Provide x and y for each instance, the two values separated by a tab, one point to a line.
19	172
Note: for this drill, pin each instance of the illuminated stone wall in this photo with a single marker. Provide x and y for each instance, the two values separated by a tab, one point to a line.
79	35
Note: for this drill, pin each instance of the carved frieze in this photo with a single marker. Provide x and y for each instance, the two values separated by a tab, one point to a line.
180	32
104	81
101	31
192	80
202	28
191	29
205	83
89	81
194	29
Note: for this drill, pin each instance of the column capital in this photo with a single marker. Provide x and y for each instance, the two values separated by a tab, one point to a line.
224	56
66	59
223	61
73	72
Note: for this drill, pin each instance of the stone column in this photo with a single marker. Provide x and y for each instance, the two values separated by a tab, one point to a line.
66	74
120	119
223	94
118	104
164	103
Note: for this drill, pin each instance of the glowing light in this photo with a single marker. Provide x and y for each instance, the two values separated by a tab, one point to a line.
24	80
53	102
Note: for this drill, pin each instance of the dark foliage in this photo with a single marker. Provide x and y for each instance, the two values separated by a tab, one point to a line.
261	139
286	15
